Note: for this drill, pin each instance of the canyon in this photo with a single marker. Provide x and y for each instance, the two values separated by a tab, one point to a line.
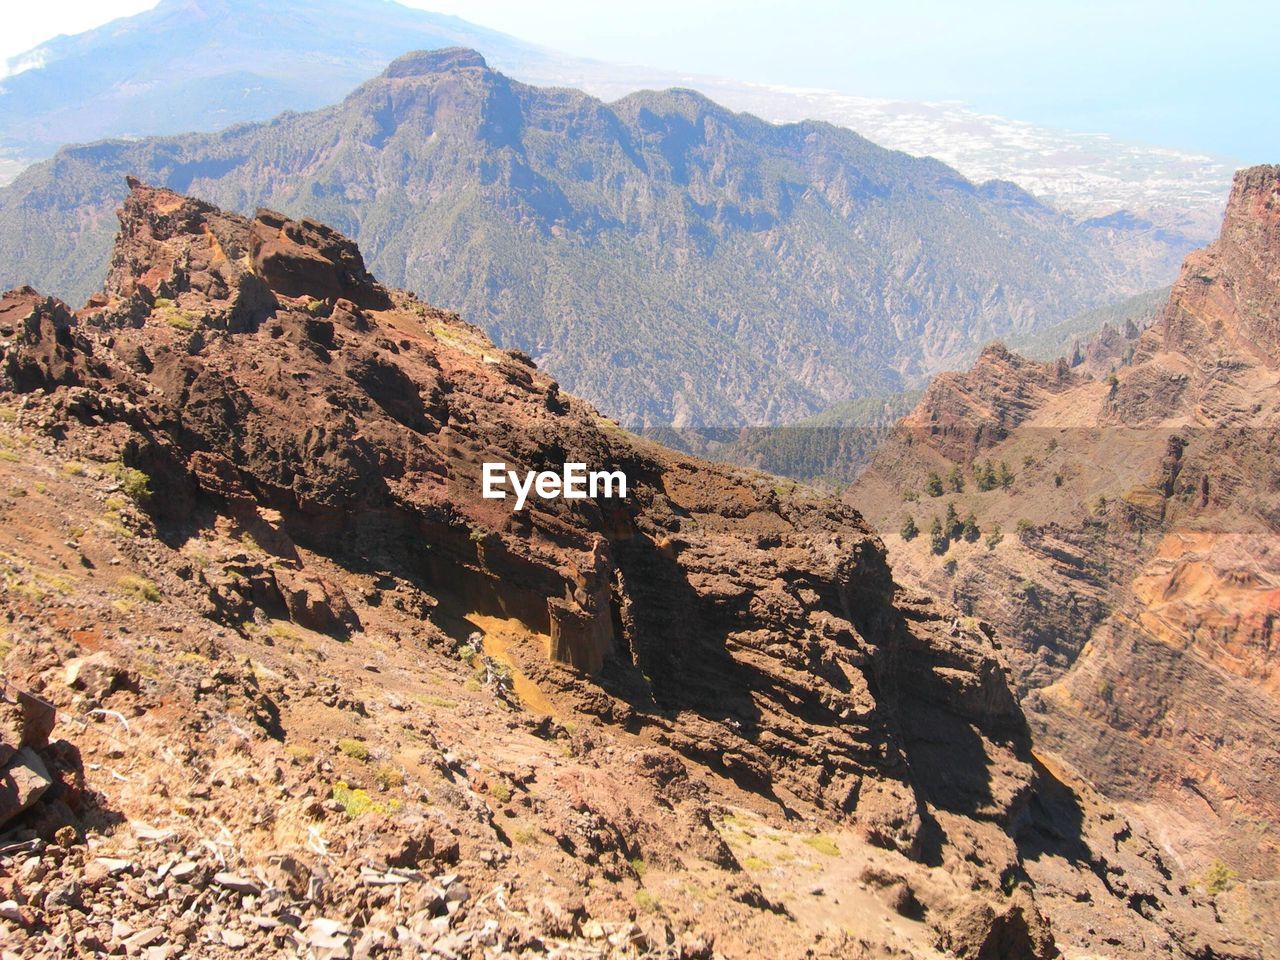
278	677
1128	552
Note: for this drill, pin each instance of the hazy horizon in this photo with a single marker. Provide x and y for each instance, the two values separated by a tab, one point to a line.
1177	66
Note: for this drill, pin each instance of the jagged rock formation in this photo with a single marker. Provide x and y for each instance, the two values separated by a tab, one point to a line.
670	260
245	478
1137	575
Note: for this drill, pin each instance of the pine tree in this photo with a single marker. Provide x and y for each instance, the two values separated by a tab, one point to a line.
955	480
937	540
952	526
994	536
1006	475
909	529
933	485
984	476
970	531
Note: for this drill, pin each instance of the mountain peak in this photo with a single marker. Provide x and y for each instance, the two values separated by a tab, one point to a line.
423	63
1253	212
1226	298
173	245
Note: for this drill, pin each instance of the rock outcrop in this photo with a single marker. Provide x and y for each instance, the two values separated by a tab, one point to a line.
1132	557
257	474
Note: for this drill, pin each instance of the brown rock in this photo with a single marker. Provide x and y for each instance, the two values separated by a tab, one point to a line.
97	674
25	721
23	781
315	603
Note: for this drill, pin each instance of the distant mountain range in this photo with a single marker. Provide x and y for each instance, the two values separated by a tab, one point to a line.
675	262
205	64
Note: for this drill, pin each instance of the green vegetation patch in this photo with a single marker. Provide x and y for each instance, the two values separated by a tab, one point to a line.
823	844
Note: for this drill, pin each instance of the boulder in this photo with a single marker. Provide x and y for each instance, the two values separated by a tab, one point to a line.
25	721
98	675
23	781
315	603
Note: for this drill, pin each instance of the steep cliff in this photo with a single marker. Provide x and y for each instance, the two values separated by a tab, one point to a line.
301	664
1130	554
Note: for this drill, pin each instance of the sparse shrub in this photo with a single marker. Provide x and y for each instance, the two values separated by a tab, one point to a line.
823	844
388	777
73	468
357	802
525	834
355	749
1219	878
432	700
910	496
277	631
950	567
639	866
139	588
1030	591
1025	526
994	536
134	484
647	902
1057	479
500	792
299	753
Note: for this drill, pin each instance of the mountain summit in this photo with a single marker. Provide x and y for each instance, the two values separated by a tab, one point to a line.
673	261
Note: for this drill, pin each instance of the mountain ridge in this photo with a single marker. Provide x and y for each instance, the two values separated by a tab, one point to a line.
662	255
1091	176
390	693
1127	547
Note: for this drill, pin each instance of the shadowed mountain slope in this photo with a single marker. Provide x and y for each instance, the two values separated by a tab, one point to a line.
1126	536
297	657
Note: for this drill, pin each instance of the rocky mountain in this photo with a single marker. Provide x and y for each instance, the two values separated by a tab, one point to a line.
207	64
672	261
1118	522
278	678
173	69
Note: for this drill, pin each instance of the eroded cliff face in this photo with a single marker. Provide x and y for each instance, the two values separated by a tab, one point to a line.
245	518
1136	572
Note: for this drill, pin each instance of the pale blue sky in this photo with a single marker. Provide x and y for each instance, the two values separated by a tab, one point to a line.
1186	74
